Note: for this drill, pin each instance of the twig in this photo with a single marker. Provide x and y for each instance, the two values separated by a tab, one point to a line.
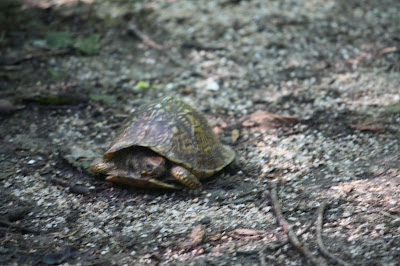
19	228
289	231
271	246
283	243
239	201
261	255
145	38
198	46
149	42
36	54
320	242
41	217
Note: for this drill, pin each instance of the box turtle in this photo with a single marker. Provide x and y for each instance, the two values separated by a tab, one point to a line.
164	144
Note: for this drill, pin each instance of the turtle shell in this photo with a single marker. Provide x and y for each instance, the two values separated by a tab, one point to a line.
176	131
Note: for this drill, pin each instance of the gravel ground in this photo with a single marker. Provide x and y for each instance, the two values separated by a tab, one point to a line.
307	93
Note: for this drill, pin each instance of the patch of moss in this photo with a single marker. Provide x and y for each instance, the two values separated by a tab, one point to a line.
88	46
107	99
59	39
59	100
82	45
393	109
54	73
143	85
10	10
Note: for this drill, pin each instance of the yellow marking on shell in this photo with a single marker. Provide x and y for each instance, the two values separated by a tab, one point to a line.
159	105
154	113
175	130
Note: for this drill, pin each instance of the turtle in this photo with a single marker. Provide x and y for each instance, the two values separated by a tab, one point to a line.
164	144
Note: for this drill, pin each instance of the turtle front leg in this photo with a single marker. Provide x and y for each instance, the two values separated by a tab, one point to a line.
184	176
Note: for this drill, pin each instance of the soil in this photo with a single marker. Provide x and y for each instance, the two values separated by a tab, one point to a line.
307	93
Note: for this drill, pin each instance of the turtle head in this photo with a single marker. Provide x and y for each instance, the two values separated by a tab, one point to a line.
100	166
152	166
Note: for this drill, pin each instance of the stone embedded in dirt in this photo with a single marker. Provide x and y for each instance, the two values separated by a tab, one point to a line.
7	107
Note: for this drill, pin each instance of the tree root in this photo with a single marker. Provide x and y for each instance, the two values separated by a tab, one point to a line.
19	228
321	245
289	231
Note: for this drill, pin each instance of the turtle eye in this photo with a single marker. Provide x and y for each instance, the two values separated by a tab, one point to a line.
148	167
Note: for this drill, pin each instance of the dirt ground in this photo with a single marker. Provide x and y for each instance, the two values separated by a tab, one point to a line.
307	93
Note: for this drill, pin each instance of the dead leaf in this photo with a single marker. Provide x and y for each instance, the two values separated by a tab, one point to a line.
219	126
195	238
264	120
197	235
215	237
387	50
356	60
248	123
243	233
347	188
222	124
371	128
218	130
